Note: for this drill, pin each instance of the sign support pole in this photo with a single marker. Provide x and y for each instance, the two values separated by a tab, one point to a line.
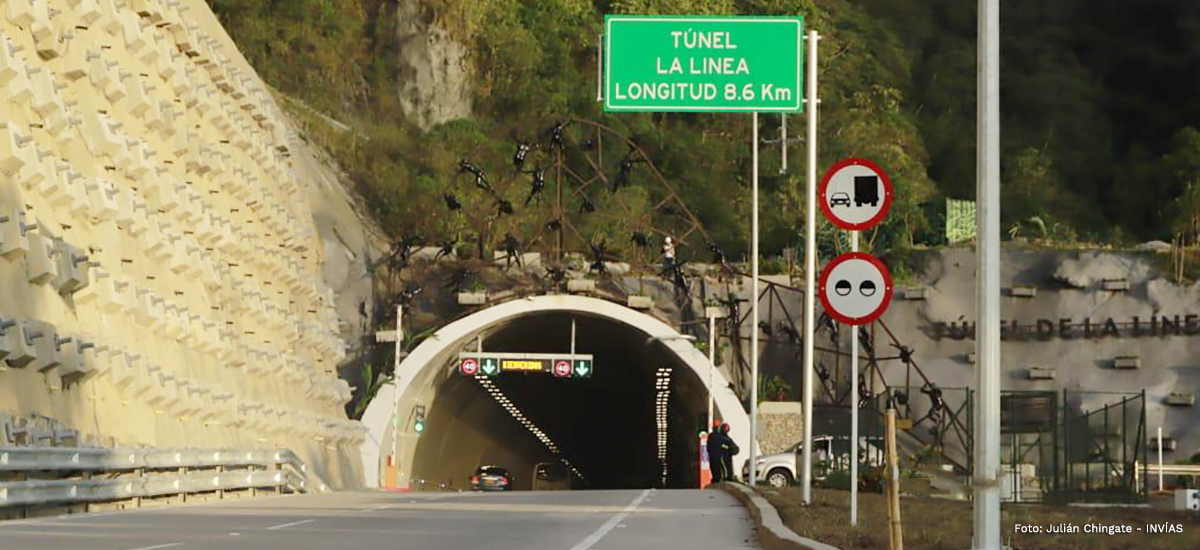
986	485
754	304
810	269
854	408
1160	461
783	142
712	365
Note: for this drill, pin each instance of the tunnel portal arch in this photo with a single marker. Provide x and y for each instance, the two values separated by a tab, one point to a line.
419	371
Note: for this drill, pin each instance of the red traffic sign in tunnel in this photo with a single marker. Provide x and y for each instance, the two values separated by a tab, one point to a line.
855	194
855	288
469	366
562	368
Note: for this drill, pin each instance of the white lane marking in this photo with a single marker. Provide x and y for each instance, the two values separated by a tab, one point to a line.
292	524
586	544
159	546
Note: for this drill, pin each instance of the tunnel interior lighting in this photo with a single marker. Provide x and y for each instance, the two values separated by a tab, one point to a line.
520	417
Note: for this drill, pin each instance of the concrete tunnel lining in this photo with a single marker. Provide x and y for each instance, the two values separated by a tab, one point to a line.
418	376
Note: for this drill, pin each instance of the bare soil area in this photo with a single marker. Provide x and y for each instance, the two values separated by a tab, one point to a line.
937	524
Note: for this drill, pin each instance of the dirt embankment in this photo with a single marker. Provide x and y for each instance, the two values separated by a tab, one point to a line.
937	524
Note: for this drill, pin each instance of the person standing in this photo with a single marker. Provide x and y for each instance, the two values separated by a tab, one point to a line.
668	255
716	460
728	450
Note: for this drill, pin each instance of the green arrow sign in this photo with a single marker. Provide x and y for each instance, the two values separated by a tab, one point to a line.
706	64
583	369
490	366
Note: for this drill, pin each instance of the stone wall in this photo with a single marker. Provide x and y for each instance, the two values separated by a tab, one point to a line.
160	278
780	425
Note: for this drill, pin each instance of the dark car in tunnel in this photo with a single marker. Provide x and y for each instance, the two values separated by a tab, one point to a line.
491	478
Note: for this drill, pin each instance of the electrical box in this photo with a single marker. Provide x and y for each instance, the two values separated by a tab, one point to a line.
40	264
1187	499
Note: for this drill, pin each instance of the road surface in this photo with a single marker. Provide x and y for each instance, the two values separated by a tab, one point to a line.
562	520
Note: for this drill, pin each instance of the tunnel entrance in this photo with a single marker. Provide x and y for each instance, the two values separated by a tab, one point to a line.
608	427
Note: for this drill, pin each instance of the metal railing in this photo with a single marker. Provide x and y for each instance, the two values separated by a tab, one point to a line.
147	473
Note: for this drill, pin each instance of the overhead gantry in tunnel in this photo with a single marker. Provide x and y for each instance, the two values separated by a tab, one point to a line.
633	423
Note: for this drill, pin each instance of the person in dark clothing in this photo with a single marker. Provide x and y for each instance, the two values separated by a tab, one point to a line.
716	462
728	450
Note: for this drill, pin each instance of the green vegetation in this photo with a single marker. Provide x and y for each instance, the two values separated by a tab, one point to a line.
1099	116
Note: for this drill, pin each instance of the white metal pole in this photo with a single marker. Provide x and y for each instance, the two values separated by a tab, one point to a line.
783	143
1160	461
712	365
854	408
396	391
572	341
986	486
754	303
810	269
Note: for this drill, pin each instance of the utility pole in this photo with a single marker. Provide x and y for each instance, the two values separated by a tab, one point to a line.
986	486
810	270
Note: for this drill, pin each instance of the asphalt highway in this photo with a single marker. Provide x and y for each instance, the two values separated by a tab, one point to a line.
551	520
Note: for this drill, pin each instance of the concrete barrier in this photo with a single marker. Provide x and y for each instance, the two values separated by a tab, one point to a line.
772	533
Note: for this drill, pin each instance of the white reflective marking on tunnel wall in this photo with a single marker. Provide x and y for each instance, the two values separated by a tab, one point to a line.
418	371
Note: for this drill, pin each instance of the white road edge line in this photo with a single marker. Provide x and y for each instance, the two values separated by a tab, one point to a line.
159	546
595	537
292	524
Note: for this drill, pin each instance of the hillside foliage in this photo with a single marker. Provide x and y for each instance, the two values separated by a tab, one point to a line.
1099	115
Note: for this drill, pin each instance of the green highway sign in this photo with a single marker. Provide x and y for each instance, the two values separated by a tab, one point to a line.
489	366
583	369
704	64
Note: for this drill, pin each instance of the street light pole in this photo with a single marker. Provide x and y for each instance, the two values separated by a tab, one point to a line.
712	365
396	391
810	269
986	486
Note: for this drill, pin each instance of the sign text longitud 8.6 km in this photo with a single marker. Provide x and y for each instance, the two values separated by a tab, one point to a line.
708	64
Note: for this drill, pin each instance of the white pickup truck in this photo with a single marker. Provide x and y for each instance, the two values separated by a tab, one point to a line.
780	469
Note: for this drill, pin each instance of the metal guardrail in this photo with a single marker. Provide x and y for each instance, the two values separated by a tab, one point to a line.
97	460
159	472
1152	470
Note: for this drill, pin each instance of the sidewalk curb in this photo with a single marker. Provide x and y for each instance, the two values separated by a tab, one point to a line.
773	534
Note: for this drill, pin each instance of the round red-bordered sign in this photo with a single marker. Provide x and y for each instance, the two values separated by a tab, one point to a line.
855	288
562	368
469	366
855	194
